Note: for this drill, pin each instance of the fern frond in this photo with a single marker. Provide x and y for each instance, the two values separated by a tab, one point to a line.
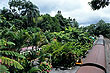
3	69
34	69
12	53
11	62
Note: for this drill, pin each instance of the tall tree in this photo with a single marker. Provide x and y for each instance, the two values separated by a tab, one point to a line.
100	28
97	4
75	23
25	9
63	21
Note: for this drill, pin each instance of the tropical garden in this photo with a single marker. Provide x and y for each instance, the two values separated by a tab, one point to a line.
53	41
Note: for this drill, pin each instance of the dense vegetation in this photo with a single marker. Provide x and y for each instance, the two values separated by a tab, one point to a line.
54	40
100	28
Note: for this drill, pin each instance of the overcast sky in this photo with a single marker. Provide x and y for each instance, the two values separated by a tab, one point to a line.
78	9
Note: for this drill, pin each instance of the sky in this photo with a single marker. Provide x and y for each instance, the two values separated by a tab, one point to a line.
78	9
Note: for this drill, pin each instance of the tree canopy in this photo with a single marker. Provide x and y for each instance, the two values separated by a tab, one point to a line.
97	4
100	28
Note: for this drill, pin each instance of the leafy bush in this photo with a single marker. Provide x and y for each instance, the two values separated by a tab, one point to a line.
65	54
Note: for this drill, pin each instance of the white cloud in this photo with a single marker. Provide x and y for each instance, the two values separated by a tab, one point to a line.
78	9
3	3
83	14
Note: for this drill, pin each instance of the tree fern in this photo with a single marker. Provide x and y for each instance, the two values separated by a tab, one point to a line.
12	53
11	62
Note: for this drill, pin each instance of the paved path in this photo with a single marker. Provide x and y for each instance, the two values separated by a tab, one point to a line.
65	71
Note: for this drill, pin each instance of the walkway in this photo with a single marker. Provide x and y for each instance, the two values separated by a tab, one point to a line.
65	71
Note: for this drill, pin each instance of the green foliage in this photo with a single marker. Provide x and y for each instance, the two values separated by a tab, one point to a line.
4	22
45	67
26	8
38	39
97	4
63	21
61	41
66	54
12	53
34	70
49	35
5	44
100	28
6	55
22	14
11	62
3	69
75	23
48	23
15	39
69	35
